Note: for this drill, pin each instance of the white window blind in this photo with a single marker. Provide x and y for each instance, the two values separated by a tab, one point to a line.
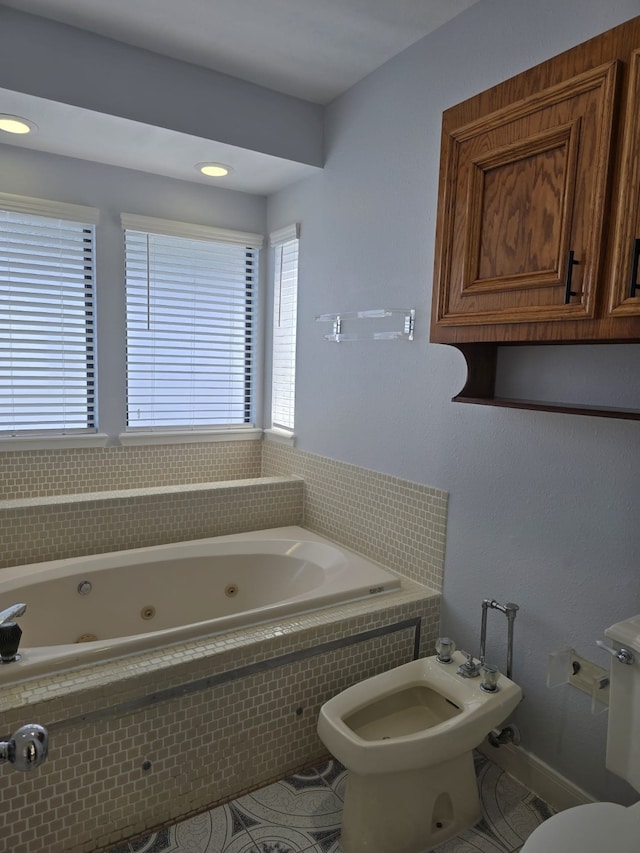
190	327
285	309
46	317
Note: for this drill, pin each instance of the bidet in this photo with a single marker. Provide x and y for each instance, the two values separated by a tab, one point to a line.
406	738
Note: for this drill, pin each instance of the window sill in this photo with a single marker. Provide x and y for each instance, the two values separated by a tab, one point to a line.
78	441
280	436
187	437
53	442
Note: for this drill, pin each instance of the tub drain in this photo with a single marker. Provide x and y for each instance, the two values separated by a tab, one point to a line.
231	590
148	612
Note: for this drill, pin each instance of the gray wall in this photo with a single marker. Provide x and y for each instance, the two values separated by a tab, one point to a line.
543	507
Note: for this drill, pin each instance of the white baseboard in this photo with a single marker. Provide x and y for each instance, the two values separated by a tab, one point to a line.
538	777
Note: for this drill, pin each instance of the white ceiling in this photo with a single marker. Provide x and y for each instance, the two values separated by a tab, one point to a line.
74	132
311	49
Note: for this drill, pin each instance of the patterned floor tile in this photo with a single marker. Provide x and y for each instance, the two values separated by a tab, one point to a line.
218	831
511	811
156	842
314	777
332	847
335	776
479	839
283	839
303	813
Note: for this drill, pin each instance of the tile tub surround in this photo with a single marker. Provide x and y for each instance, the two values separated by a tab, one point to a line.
395	522
158	494
51	528
37	473
121	763
303	813
59	503
125	765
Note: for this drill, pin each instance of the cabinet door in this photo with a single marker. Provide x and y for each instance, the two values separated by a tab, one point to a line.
522	205
625	280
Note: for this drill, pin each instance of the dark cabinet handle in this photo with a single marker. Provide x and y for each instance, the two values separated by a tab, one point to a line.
571	263
633	282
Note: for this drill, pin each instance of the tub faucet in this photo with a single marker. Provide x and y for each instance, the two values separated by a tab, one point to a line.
27	748
10	613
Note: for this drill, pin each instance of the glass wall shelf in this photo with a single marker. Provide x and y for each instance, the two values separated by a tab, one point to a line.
567	667
379	324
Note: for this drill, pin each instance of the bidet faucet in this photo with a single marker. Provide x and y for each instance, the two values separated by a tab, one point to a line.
445	649
510	610
12	612
469	669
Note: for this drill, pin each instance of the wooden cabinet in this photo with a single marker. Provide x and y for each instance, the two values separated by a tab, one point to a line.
538	227
524	206
624	291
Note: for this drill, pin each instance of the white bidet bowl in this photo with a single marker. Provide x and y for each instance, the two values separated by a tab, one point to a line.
413	716
406	737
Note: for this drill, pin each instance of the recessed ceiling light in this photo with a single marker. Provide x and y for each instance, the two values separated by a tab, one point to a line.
214	170
15	124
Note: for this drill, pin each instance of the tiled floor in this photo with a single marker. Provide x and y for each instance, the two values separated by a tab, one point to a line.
302	813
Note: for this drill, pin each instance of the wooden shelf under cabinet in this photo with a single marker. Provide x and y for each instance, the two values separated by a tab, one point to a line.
479	388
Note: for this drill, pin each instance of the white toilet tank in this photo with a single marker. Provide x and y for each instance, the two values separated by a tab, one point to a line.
623	734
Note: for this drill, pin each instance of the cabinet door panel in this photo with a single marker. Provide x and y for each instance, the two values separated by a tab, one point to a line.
523	187
625	295
520	199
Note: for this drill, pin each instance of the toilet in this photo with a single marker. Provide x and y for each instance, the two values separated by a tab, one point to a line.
406	737
599	827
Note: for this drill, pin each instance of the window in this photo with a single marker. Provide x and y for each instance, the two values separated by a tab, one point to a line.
190	325
285	306
47	380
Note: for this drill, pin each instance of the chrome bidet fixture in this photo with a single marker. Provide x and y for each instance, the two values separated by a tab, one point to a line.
470	668
510	610
445	649
26	748
490	676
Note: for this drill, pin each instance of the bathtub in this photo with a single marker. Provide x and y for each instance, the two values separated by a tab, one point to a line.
86	610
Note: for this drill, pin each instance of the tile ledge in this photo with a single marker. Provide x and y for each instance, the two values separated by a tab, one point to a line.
126	494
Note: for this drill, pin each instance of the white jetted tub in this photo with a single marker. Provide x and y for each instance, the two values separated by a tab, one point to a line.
92	609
